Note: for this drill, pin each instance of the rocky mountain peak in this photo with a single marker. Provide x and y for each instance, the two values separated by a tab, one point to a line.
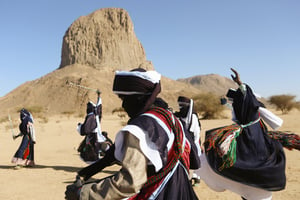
103	39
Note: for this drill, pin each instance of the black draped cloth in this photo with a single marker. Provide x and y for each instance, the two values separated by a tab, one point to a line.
260	160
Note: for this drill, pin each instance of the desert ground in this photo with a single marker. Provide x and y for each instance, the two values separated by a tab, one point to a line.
57	160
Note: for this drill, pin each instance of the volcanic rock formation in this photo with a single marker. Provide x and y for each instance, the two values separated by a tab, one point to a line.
103	39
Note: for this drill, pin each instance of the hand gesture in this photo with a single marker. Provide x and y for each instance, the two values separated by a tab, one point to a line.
236	77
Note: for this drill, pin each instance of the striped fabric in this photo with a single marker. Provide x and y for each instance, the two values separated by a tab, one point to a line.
177	155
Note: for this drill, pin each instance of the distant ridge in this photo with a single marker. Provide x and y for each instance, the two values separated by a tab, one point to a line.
213	83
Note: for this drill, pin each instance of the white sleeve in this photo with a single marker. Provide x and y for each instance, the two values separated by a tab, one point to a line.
32	132
196	129
270	118
79	128
100	137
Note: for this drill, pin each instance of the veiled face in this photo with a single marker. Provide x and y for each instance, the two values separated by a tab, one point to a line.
89	108
133	104
183	109
24	113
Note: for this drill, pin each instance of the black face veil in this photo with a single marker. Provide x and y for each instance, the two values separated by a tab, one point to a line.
184	106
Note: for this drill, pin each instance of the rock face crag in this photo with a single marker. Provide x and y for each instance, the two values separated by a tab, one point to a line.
103	39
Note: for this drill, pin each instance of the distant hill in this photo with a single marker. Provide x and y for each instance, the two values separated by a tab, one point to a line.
56	93
213	83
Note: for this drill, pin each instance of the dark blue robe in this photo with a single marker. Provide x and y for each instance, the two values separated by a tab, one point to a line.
260	160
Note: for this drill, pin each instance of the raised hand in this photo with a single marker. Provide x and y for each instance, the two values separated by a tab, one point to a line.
236	77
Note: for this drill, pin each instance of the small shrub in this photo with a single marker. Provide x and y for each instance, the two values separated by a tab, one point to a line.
81	115
121	114
284	103
68	113
32	109
37	113
43	119
208	106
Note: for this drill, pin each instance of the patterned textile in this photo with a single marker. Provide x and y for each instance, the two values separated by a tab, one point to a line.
161	184
224	135
227	136
224	141
177	147
288	140
246	153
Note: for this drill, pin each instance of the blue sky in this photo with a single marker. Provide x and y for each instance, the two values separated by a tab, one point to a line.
182	38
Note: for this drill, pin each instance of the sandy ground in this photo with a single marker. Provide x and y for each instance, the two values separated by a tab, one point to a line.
57	160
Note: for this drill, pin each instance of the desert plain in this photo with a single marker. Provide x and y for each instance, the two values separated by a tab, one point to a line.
57	159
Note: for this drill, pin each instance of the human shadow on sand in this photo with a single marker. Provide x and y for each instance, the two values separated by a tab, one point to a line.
56	167
92	180
69	168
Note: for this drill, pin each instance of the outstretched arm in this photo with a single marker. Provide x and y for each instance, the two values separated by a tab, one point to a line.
236	77
108	160
126	182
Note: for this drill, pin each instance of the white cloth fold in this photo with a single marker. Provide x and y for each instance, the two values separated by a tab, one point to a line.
270	118
219	183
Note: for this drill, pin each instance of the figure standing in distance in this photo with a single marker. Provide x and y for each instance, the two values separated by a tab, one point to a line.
154	151
94	144
190	120
24	156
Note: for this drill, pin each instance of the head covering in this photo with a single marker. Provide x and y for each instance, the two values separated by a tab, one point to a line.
231	93
138	88
245	106
183	101
184	106
137	81
271	119
25	115
186	109
90	107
